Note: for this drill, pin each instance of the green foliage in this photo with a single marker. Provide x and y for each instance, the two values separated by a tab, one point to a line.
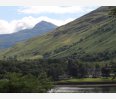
18	83
36	75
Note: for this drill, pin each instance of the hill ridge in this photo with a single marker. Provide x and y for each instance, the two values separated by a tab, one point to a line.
92	33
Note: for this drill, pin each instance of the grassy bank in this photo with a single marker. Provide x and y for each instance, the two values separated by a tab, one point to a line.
88	81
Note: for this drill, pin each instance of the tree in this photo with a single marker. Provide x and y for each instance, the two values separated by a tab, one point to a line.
97	71
82	69
113	68
105	71
17	82
72	68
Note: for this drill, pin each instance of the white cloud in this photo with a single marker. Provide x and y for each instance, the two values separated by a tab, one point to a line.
54	9
49	9
27	22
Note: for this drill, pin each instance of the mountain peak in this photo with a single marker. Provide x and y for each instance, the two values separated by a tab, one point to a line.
44	24
39	29
43	21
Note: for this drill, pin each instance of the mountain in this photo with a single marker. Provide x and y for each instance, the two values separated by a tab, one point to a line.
91	34
9	40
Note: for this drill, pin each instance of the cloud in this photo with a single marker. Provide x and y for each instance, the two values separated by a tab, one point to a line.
54	9
7	27
27	22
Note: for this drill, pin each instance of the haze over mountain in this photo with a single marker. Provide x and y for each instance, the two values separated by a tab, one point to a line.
92	33
8	40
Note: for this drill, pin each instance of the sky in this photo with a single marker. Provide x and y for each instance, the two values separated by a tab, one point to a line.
15	18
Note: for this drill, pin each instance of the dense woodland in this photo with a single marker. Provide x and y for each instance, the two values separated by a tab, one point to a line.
39	75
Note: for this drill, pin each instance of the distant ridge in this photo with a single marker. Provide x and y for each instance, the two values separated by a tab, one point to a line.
8	40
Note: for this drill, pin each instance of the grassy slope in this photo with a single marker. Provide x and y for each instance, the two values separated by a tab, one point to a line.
91	27
98	41
86	80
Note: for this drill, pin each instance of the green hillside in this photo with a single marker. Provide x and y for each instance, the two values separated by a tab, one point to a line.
92	33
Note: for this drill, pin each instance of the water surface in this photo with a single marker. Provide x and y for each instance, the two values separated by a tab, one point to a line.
83	89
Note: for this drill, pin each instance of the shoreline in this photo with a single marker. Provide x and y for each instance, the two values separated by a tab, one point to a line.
87	83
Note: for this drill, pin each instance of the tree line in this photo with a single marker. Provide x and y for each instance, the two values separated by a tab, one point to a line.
39	75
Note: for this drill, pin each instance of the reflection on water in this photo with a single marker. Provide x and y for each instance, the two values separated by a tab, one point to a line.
82	89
